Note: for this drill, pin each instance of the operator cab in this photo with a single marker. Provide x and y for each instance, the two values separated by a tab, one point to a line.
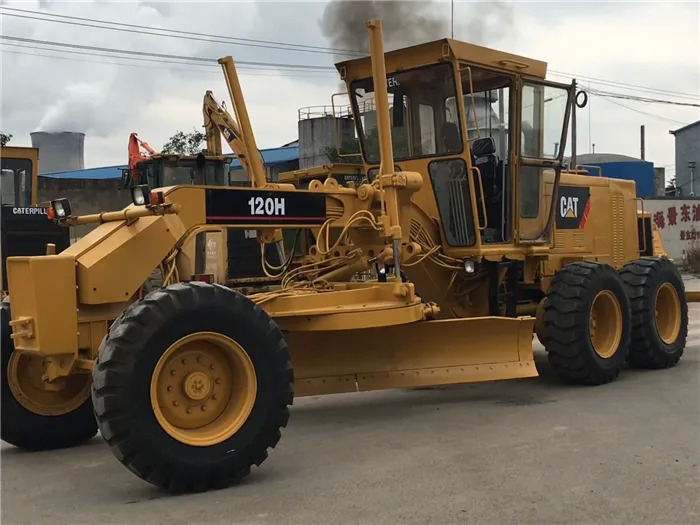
164	170
484	127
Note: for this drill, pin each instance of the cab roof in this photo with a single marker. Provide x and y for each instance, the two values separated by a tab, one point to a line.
445	48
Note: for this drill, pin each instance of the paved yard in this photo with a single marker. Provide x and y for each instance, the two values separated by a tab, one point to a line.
525	451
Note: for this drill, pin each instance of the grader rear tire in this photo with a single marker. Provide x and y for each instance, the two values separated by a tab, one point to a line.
659	312
192	386
36	419
587	323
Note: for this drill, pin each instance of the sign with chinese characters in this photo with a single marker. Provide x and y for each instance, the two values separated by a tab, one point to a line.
678	221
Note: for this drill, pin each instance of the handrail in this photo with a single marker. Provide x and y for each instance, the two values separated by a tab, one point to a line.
483	201
310	112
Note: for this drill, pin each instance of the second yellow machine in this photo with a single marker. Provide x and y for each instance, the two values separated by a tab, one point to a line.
466	235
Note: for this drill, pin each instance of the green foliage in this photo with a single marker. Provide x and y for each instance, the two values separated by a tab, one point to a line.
399	141
5	138
398	138
185	143
346	147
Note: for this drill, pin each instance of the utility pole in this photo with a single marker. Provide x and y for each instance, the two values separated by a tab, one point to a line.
641	140
452	17
691	167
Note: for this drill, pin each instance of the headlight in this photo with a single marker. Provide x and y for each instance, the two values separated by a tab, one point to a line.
469	266
61	208
139	194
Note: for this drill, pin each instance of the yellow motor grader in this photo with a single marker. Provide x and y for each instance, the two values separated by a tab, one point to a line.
466	236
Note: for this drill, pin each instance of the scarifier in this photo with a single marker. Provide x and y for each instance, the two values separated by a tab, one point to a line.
467	235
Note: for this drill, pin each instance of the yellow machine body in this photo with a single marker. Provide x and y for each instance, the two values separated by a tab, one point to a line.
464	234
437	325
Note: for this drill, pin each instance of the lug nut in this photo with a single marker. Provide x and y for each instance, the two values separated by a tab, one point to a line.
189	410
170	389
217	380
175	403
204	408
172	372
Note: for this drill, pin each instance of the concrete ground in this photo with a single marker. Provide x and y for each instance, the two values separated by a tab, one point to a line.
522	451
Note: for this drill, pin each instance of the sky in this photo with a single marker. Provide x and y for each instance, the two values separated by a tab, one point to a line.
646	44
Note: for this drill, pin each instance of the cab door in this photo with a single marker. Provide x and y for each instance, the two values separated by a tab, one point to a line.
543	121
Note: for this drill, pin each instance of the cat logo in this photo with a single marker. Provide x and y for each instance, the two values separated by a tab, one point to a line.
574	206
569	207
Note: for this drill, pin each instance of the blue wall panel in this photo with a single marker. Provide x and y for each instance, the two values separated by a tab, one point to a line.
642	173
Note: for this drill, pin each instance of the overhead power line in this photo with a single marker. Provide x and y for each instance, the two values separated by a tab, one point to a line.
631	87
652	115
173	33
246	71
286	46
199	65
641	99
212	61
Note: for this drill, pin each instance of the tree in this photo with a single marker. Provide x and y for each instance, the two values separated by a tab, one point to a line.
185	143
5	138
346	147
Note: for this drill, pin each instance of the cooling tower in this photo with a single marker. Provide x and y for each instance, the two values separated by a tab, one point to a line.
61	151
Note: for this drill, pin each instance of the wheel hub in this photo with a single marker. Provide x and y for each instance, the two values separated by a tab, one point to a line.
203	389
667	313
24	376
605	324
197	386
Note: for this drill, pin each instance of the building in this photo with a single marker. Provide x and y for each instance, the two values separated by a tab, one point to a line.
687	159
98	189
617	166
275	160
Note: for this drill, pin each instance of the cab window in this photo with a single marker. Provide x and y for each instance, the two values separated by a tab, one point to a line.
16	182
421	123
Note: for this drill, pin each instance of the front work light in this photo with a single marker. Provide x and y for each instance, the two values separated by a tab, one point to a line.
139	194
61	208
469	266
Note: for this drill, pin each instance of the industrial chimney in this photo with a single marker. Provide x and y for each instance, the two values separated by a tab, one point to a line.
60	151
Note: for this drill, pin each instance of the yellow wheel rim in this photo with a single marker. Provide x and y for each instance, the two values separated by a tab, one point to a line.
605	324
667	313
203	389
24	377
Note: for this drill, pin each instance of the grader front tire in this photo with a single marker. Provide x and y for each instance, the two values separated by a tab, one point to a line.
587	323
34	418
192	386
659	312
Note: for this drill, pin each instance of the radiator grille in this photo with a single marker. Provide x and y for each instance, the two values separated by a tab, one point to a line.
560	239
